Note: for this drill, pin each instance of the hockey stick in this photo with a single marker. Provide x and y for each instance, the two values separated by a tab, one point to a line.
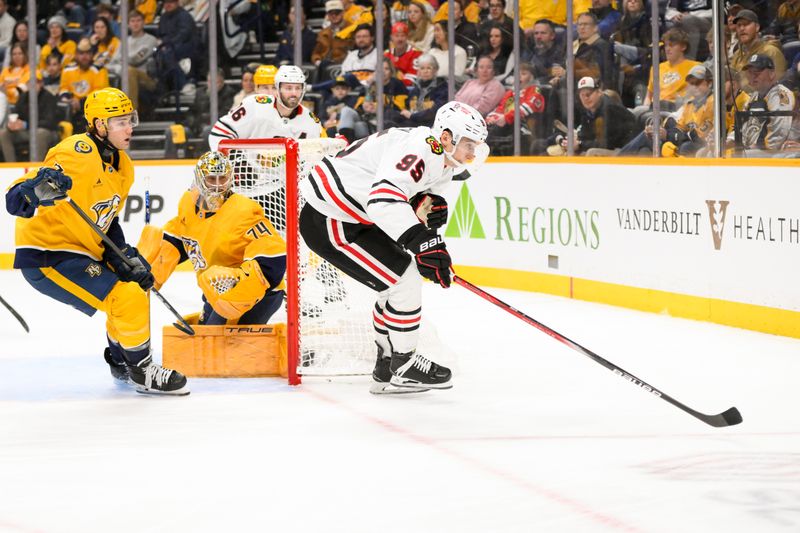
16	315
181	324
730	417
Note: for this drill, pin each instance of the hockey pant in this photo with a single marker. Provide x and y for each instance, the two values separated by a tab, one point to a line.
371	257
89	286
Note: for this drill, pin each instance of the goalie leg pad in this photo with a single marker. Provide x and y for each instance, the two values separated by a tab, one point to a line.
162	256
231	292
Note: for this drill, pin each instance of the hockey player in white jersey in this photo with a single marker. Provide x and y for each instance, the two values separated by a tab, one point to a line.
373	204
260	116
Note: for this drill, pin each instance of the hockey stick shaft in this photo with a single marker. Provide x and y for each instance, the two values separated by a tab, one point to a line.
16	315
727	418
182	324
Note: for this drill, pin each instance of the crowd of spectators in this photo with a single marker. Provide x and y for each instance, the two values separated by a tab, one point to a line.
79	50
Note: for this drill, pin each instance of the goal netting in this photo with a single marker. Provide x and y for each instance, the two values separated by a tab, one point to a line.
328	314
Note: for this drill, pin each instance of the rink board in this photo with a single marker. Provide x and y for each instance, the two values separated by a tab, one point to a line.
715	241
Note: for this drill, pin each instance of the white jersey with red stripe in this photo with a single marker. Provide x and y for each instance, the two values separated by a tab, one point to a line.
372	181
257	117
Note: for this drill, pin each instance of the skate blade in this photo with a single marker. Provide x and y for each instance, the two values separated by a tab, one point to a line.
411	384
183	391
388	388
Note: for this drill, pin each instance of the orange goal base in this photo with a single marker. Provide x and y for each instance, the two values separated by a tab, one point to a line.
227	351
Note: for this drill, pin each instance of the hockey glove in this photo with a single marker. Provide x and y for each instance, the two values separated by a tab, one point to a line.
48	186
430	253
138	271
431	209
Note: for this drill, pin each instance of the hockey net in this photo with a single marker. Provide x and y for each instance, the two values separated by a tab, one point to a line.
328	314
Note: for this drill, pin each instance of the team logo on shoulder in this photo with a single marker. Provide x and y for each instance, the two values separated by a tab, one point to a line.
436	146
94	270
82	147
192	248
105	211
263	99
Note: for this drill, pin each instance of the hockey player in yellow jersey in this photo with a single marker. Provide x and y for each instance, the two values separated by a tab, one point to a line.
63	258
239	258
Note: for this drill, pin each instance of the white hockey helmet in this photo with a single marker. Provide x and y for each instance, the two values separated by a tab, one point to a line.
461	120
213	192
290	74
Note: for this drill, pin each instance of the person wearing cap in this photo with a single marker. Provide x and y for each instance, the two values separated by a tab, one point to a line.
402	55
331	49
57	42
747	28
765	135
17	130
687	133
285	52
338	115
79	79
604	125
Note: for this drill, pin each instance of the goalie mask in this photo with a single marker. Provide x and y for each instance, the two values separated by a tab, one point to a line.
466	125
213	178
290	74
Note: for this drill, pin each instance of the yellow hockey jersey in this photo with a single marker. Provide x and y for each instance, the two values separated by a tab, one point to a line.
81	82
97	187
235	233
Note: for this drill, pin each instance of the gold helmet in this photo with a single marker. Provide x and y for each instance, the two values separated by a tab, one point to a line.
265	75
107	103
215	165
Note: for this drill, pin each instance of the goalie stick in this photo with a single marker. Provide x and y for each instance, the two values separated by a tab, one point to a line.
730	417
16	315
181	324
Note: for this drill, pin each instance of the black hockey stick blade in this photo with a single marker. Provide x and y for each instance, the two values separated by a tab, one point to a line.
16	315
731	417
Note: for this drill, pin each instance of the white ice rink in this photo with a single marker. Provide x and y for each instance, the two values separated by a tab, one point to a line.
533	436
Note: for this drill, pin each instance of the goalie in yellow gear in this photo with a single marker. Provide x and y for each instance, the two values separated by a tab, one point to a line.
239	258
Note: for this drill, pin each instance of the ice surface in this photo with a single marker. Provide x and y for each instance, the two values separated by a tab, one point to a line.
533	436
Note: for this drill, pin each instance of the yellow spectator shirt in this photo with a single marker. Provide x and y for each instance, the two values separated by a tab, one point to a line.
13	77
81	82
472	12
66	49
673	80
97	188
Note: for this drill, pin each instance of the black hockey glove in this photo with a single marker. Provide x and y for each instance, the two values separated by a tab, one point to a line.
48	186
430	253
436	209
139	272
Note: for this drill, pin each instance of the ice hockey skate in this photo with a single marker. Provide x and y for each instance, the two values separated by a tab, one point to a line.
150	378
382	375
118	370
412	370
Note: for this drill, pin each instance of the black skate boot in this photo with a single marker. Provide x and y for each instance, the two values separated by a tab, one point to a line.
118	370
150	378
382	375
417	372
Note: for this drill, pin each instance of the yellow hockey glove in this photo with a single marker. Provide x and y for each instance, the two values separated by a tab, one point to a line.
233	291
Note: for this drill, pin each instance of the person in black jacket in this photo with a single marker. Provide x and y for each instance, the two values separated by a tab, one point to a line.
17	131
285	53
604	124
425	97
178	34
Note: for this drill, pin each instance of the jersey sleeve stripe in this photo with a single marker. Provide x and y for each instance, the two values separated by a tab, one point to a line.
340	202
384	201
339	185
222	132
386	190
387	183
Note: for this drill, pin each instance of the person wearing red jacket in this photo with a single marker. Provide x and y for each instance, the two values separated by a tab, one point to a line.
531	103
402	55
